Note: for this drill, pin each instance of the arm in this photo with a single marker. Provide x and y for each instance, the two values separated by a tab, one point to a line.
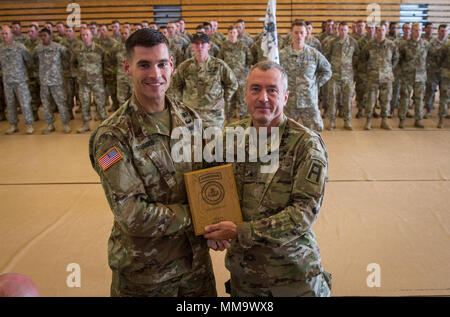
323	70
229	83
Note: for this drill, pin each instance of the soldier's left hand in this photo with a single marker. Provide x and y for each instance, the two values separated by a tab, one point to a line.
224	230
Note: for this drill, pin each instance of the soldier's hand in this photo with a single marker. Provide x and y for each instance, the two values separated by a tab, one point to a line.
219	245
224	230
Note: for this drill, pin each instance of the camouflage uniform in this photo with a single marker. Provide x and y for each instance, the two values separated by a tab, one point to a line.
213	51
307	71
433	73
258	53
218	38
396	87
413	64
51	59
110	71
152	249
70	75
33	78
176	53
57	38
444	62
180	41
206	88
89	65
361	78
342	55
20	38
124	82
276	252
239	58
15	60
313	42
247	39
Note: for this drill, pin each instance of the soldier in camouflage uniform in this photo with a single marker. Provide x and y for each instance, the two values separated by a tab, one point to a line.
307	70
274	252
413	64
124	82
310	39
242	35
88	61
443	56
14	61
205	83
16	29
380	56
174	37
51	58
58	37
152	249
360	28
433	69
217	37
33	77
238	56
175	52
342	53
393	31
115	28
210	32
110	46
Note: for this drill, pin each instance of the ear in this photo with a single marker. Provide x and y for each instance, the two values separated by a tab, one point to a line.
171	63
286	97
126	67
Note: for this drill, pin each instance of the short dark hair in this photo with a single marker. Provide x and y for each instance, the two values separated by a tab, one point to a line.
48	22
297	23
146	38
343	23
59	22
442	26
115	21
93	23
33	26
427	24
15	22
45	30
307	23
207	24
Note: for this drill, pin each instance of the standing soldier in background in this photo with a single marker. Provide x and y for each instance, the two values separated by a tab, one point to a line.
174	50
217	36
209	30
16	29
413	63
237	55
307	71
183	32
360	28
58	37
393	31
110	46
242	35
361	72
328	31
433	69
180	41
124	82
88	61
115	28
342	53
51	58
33	81
205	83
310	39
14	61
428	31
380	56
444	62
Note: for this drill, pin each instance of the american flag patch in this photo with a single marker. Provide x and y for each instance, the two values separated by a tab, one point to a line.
109	158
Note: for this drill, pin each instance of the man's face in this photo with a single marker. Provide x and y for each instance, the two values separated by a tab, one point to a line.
137	27
7	35
265	96
370	31
200	49
240	28
298	34
16	29
330	27
442	33
336	29
153	26
103	31
115	27
164	32
428	29
381	33
208	30
182	24
360	28
150	69
70	34
393	29
416	32
232	35
60	28
144	25
32	33
343	31
124	34
93	29
172	30
309	30
45	38
86	36
406	30
83	26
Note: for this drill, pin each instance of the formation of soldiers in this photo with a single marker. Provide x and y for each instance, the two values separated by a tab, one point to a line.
66	73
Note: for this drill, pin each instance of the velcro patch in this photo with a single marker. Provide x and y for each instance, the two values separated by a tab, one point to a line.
315	172
109	158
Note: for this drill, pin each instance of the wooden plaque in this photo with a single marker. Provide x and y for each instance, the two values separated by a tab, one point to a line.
212	196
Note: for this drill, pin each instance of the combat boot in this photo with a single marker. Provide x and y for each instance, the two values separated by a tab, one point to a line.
359	114
419	124
385	125
441	123
30	129
332	125
84	128
12	130
50	128
402	124
67	129
368	125
347	125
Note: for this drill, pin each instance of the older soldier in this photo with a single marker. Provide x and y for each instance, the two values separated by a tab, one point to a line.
237	55
205	83
380	56
433	69
51	57
88	61
342	53
14	61
413	64
109	45
242	35
124	82
152	248
307	70
33	74
16	29
274	252
443	56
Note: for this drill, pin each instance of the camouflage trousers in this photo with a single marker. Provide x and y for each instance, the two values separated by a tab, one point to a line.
385	91
58	94
433	81
341	90
324	94
33	86
70	86
192	284
2	98
444	97
19	90
360	90
317	286
396	87
124	90
98	90
419	90
111	83
309	117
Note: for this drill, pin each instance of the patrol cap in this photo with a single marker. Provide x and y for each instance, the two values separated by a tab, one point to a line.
200	36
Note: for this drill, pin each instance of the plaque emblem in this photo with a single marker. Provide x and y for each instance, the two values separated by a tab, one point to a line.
213	192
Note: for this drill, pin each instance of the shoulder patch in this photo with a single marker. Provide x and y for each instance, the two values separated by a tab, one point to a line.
315	172
109	158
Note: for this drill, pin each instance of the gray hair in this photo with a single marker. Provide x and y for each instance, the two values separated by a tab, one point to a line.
268	65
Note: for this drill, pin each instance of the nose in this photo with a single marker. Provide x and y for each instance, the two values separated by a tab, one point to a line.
154	72
263	97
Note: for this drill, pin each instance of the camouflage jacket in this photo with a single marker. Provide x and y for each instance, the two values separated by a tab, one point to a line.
57	38
88	63
33	72
120	56
152	238
413	60
444	60
343	57
15	60
313	42
432	60
276	244
213	51
218	38
51	60
307	71
21	38
109	45
238	57
71	46
180	41
361	65
205	88
176	53
247	39
258	53
380	60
